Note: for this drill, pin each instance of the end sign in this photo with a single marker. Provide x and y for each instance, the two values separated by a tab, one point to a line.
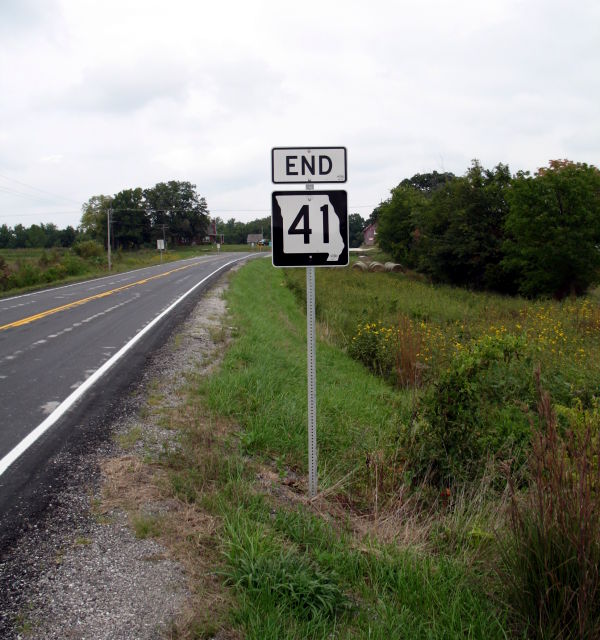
316	164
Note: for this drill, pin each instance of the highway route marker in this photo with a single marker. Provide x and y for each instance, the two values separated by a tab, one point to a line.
310	229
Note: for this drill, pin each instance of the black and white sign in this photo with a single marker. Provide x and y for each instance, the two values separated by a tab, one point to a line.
316	164
310	228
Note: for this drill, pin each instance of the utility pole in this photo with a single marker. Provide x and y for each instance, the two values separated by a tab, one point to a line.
108	237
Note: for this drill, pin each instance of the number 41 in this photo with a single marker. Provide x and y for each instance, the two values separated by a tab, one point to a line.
305	230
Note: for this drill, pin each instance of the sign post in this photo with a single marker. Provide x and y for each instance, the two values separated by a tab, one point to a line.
160	245
309	229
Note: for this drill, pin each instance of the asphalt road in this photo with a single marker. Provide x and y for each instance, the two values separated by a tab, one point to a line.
65	352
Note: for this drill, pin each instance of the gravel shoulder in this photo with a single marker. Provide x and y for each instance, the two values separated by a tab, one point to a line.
87	570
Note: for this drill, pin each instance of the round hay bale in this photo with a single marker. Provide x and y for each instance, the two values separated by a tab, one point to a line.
360	266
376	266
394	267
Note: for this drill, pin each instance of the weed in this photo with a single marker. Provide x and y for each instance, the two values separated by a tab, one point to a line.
130	438
147	526
552	562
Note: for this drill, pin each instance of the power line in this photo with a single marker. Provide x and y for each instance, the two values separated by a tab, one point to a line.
29	186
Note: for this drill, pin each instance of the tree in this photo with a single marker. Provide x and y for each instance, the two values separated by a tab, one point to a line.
67	237
178	207
7	237
356	224
20	237
397	222
553	229
35	237
462	230
427	183
235	232
94	218
129	220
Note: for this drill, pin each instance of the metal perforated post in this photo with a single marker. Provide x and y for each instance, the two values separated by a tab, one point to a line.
312	381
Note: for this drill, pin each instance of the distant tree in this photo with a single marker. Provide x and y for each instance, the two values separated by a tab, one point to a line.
356	224
51	235
7	237
177	206
235	232
19	237
461	230
129	220
94	218
35	237
397	223
67	237
553	229
427	183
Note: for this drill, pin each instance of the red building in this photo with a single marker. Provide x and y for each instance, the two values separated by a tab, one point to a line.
211	233
369	234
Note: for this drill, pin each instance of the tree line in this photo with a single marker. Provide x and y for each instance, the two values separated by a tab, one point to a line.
536	235
171	210
39	236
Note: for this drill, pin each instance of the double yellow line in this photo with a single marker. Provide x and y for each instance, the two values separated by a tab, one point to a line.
78	303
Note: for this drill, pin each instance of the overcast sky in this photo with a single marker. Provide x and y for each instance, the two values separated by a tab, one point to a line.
102	95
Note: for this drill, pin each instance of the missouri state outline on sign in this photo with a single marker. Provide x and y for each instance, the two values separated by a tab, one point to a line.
310	228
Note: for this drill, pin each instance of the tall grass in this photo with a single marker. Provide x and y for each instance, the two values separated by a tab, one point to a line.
552	561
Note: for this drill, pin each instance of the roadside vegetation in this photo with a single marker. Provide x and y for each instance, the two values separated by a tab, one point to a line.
27	269
489	533
490	230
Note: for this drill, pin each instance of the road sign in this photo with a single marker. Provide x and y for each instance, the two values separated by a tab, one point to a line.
316	164
310	228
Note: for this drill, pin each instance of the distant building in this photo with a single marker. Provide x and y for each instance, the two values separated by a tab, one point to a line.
254	238
369	234
211	234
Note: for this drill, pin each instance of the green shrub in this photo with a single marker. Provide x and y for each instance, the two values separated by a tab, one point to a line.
54	273
73	265
551	562
26	275
473	410
88	249
4	275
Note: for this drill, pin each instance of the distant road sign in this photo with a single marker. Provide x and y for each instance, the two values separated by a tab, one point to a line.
315	164
310	228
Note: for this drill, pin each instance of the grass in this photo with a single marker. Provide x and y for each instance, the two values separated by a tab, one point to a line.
293	568
262	386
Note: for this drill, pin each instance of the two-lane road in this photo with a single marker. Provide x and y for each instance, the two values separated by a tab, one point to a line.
57	345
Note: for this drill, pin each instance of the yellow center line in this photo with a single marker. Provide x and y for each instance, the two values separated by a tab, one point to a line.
78	303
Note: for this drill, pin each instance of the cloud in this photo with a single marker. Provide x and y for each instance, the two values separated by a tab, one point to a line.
127	87
21	16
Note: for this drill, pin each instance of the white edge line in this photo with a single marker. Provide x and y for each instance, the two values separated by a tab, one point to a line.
66	404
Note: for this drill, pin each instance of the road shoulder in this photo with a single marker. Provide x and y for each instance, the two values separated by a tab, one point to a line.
93	567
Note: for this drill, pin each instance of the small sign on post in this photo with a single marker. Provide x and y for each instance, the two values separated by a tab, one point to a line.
160	245
309	229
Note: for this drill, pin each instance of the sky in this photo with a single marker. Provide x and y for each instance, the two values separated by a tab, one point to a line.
97	96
